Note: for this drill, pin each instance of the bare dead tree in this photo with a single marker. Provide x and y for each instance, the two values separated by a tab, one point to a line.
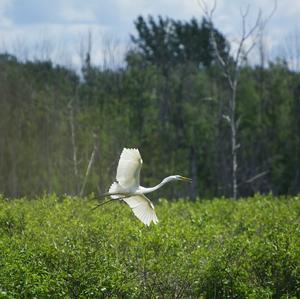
231	67
73	142
89	166
112	52
85	48
290	50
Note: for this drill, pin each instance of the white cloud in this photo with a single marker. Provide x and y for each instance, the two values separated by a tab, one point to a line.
73	15
64	24
76	13
4	20
61	43
4	4
289	8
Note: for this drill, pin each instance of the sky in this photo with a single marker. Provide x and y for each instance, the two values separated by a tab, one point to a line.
60	29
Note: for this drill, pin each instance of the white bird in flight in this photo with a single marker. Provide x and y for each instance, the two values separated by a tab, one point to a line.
127	186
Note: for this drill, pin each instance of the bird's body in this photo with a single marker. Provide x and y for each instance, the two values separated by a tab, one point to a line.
127	186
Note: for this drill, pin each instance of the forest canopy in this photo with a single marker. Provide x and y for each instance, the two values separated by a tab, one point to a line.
168	100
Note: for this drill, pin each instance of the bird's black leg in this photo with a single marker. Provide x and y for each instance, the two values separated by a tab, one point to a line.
109	194
103	203
112	199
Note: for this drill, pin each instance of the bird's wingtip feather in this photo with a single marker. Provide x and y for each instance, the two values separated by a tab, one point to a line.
131	153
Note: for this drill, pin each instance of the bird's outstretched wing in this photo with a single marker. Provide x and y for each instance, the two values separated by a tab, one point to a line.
142	208
129	167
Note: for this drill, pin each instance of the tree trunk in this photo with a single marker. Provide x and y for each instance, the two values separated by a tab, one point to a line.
193	165
234	145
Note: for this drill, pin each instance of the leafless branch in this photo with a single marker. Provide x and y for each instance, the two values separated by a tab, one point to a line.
88	170
266	20
246	34
73	138
231	70
208	12
254	178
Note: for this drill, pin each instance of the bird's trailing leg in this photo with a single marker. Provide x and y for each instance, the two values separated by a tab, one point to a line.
115	193
102	203
122	196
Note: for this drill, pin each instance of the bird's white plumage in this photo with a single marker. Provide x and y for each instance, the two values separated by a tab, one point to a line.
129	167
116	188
127	186
128	182
142	208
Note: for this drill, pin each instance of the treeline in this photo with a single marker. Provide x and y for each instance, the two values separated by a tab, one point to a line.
63	132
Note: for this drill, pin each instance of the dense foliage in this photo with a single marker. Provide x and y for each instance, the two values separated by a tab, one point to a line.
56	247
165	42
53	121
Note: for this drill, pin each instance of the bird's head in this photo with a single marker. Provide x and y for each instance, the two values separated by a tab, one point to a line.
180	178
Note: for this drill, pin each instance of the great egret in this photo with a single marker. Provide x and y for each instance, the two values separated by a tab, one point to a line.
127	186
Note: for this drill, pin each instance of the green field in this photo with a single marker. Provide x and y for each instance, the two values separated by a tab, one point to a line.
56	247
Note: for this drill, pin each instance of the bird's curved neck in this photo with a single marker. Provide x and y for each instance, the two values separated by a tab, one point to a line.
151	189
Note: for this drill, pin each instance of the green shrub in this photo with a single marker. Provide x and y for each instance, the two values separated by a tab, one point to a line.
59	248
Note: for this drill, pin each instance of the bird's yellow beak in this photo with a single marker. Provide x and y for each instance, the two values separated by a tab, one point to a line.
183	178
